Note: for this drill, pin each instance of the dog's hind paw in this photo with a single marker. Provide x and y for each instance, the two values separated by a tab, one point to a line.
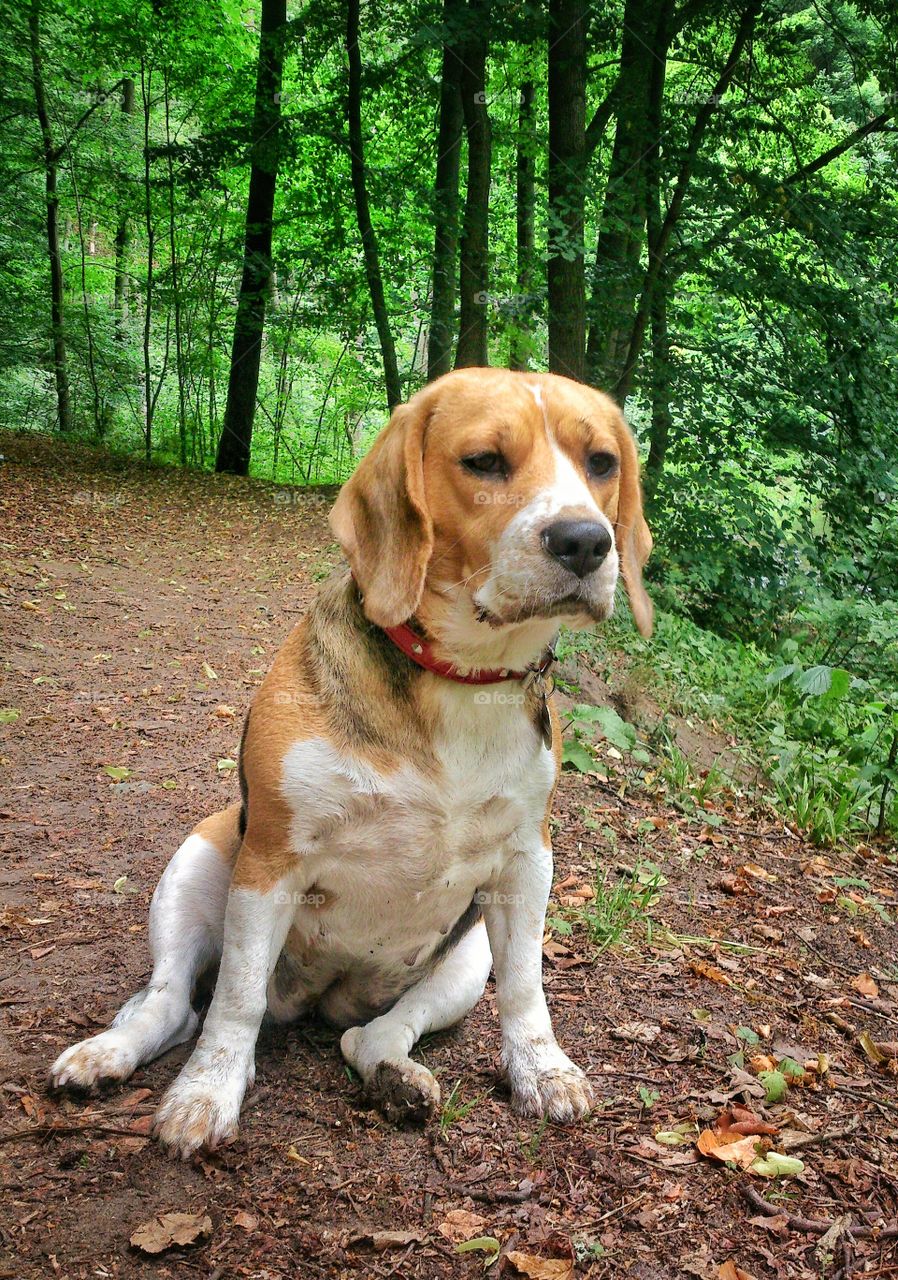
406	1093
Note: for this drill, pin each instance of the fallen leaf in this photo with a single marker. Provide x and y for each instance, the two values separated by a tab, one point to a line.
530	1264
9	715
741	1151
118	773
729	1271
736	1119
639	1032
38	953
226	766
247	1221
758	873
383	1240
209	673
866	986
710	971
460	1225
224	712
169	1229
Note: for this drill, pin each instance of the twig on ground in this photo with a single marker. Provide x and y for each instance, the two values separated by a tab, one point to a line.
813	1226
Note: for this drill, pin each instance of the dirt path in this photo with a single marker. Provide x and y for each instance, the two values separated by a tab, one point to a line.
139	610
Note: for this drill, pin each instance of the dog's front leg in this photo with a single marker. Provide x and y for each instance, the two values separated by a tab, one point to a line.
543	1080
202	1107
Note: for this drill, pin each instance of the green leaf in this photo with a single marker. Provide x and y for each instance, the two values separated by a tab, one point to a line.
782	673
118	773
815	681
9	715
575	753
775	1085
746	1034
226	766
480	1244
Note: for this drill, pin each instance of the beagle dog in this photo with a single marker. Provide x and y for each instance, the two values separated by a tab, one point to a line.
398	766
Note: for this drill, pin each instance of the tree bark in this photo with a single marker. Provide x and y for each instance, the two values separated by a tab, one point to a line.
474	257
51	163
567	157
659	239
615	281
123	232
362	210
445	198
236	437
525	237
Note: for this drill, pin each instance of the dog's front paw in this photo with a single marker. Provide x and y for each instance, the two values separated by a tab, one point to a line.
544	1082
108	1056
198	1111
404	1092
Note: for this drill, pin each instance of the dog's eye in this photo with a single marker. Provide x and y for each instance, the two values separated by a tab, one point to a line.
486	464
601	465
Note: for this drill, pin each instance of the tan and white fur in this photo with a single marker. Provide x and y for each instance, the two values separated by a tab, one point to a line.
392	844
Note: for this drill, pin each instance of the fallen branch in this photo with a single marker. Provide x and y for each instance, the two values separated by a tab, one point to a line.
813	1226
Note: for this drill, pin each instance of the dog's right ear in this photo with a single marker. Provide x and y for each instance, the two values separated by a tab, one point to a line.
381	519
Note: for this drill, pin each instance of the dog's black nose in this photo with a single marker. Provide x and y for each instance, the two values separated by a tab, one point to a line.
580	545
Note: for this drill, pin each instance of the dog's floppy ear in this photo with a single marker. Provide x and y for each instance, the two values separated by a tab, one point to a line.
381	519
634	540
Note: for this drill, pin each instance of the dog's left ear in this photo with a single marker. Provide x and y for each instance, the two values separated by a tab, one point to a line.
634	540
382	522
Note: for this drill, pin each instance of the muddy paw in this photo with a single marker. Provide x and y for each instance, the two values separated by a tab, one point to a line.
406	1093
104	1057
562	1095
196	1113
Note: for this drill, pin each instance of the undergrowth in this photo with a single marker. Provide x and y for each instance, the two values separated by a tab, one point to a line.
824	736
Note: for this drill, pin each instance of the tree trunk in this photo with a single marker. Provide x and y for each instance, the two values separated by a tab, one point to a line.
474	258
123	232
246	351
51	161
615	282
149	400
362	210
175	284
660	389
445	198
521	338
567	154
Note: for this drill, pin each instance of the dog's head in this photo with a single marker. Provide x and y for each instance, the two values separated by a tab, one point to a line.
511	497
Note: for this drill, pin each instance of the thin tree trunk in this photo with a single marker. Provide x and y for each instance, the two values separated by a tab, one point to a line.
521	337
567	156
146	82
474	257
246	352
660	242
176	285
51	160
615	282
362	211
445	197
123	232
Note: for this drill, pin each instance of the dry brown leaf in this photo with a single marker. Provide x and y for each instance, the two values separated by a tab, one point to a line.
729	1271
710	971
459	1225
758	872
866	986
530	1264
736	1119
383	1240
638	1032
247	1221
167	1230
729	1149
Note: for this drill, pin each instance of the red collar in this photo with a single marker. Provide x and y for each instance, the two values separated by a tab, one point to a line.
420	651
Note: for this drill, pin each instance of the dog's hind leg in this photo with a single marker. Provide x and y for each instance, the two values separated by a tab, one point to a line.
379	1051
185	928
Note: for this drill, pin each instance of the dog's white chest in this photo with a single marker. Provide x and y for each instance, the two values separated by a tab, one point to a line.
390	861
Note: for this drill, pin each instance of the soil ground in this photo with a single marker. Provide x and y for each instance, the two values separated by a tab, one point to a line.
139	610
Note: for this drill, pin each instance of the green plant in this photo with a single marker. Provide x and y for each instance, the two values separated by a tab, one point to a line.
621	905
454	1109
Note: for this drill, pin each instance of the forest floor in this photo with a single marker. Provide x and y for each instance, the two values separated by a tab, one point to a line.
140	609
